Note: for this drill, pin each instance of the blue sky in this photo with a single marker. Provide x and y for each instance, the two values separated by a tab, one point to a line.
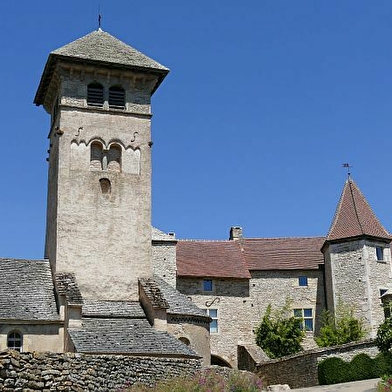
264	102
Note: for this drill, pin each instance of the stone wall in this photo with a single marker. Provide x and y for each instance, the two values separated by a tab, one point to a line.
78	372
299	371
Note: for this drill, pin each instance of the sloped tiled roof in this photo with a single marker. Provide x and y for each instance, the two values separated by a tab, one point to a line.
179	303
125	336
115	309
283	253
66	285
354	216
26	290
222	259
99	47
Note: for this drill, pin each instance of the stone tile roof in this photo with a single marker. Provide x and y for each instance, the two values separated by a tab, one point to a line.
283	253
112	309
125	336
101	48
158	235
27	291
179	303
154	293
66	285
354	216
222	259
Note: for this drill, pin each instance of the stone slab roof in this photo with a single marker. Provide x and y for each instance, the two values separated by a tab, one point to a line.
27	291
102	49
283	253
222	259
354	216
112	309
178	303
125	336
153	293
66	285
100	46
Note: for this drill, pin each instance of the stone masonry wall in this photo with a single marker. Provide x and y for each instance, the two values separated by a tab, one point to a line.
299	371
77	372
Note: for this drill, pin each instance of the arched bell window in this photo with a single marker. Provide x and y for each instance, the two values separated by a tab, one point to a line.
96	156
95	94
114	158
116	97
15	341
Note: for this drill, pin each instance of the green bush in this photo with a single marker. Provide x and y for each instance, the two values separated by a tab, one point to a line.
340	328
333	370
278	333
384	336
362	367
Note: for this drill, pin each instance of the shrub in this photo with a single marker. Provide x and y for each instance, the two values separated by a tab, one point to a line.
340	328
333	370
384	336
385	385
362	367
279	334
206	381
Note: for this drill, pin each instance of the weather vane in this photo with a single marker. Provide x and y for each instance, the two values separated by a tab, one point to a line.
347	165
99	16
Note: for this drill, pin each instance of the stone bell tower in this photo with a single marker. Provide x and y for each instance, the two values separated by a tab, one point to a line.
98	90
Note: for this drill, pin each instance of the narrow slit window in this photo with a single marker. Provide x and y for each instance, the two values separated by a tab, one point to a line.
380	253
95	94
116	97
213	313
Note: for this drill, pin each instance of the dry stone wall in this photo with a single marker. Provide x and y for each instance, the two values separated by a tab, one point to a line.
77	372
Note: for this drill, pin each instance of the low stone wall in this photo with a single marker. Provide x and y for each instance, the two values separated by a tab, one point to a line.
300	370
79	372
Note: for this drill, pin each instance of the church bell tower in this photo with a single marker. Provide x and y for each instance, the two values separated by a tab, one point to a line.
98	90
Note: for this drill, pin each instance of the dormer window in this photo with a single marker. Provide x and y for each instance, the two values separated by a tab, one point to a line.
95	94
116	97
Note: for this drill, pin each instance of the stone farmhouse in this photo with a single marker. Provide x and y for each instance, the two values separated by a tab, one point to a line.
109	283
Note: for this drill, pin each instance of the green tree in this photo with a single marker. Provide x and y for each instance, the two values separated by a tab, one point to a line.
341	328
279	333
384	336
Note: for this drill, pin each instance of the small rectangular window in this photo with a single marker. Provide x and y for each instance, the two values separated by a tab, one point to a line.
307	318
213	313
302	281
207	285
383	291
379	253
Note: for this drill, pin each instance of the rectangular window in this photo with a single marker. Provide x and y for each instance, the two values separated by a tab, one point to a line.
302	281
213	313
207	285
379	253
307	318
383	291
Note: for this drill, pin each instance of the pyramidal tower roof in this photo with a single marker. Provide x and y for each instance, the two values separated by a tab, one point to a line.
354	216
100	47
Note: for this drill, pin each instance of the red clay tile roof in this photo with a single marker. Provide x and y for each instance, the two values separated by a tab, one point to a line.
283	253
234	259
212	259
354	216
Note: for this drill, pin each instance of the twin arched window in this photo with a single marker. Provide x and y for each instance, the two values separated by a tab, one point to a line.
101	159
95	96
15	341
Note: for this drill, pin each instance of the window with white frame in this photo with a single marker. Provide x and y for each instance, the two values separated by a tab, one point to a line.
213	313
15	341
207	285
379	253
306	315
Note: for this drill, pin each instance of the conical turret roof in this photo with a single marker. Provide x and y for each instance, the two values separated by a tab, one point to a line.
354	216
100	48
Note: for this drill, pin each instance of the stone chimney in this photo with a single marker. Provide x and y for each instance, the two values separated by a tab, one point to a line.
235	233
